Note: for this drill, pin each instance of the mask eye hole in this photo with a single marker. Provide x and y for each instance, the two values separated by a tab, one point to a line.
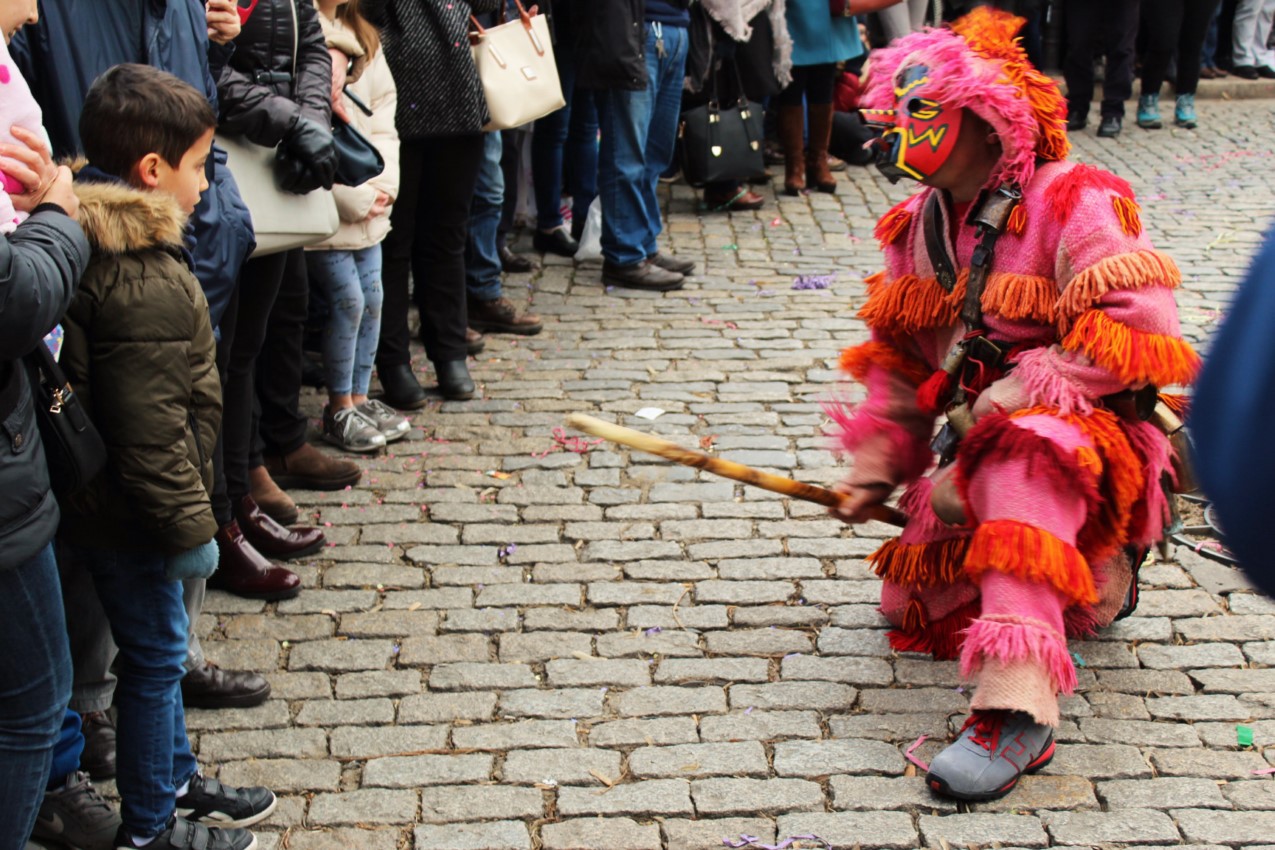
926	110
915	105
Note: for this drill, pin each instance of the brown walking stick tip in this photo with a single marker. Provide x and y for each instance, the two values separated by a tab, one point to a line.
725	468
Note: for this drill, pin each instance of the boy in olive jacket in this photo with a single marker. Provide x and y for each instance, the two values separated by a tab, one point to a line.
139	348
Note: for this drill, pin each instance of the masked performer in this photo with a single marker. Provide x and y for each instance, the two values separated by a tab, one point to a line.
1022	300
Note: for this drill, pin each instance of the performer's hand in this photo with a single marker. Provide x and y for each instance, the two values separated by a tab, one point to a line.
1005	395
859	498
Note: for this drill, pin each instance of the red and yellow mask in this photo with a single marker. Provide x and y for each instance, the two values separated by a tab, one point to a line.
918	134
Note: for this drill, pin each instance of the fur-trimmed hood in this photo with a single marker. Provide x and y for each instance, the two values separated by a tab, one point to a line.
979	65
119	219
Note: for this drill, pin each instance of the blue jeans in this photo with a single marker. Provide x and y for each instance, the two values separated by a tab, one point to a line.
35	685
1208	53
639	129
482	258
568	136
149	623
351	284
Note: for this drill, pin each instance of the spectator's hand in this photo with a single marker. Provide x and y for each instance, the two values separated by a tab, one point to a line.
62	192
380	205
340	69
859	498
30	164
223	21
310	149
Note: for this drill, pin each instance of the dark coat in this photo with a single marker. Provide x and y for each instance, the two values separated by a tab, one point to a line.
40	264
263	109
427	45
65	52
139	350
609	38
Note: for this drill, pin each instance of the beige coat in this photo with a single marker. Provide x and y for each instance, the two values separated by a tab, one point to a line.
374	85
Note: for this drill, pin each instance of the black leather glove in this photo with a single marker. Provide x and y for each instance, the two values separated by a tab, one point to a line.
307	157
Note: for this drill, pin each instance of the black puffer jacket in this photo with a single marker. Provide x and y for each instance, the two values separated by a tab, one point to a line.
262	92
40	264
427	45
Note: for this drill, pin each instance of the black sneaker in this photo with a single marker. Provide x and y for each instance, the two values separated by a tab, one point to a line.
209	802
181	834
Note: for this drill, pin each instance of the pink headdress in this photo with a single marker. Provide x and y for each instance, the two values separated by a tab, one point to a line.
979	65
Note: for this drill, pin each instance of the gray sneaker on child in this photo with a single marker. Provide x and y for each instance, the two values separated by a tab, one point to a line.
387	420
349	429
76	815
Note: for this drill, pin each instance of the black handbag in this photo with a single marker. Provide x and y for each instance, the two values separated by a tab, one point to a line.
357	159
73	448
720	145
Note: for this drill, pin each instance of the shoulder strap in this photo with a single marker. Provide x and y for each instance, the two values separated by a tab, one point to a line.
934	226
991	213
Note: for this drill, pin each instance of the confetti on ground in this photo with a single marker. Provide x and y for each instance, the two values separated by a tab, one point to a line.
777	222
1244	735
496	473
908	753
564	442
654	630
813	281
785	844
1264	771
651	413
706	443
1075	656
506	550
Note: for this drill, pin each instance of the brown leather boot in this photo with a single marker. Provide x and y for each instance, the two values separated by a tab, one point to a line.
792	124
818	174
310	469
275	503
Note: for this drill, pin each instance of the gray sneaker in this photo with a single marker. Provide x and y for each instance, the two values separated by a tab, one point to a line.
993	750
349	429
387	420
76	815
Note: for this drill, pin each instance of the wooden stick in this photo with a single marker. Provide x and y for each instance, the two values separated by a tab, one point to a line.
725	468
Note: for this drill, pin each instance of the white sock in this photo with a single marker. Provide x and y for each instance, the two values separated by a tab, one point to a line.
139	841
182	791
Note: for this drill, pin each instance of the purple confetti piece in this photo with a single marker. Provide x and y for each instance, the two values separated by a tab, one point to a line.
654	630
813	281
749	710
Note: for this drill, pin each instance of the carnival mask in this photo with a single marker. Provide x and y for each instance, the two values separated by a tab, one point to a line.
918	134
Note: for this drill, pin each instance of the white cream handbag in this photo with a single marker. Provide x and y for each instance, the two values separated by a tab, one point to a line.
518	72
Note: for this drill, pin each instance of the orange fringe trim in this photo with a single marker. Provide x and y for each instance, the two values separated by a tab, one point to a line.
1179	404
1127	210
858	359
1021	296
942	638
914	616
1017	220
1133	356
1032	554
992	33
1133	270
909	304
919	564
893	224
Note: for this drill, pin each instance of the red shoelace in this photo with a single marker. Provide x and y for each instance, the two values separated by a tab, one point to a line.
987	728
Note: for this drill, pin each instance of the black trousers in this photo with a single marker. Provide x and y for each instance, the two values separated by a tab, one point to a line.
430	221
1109	28
260	358
1175	26
815	82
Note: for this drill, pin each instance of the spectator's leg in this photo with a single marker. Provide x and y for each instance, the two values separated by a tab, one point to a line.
393	349
1084	27
661	138
482	257
283	428
1121	17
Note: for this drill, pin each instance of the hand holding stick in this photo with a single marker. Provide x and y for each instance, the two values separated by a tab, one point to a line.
725	468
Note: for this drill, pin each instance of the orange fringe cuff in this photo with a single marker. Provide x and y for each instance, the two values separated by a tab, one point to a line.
1127	210
857	360
1031	554
920	564
910	303
1133	270
1021	296
893	224
1133	356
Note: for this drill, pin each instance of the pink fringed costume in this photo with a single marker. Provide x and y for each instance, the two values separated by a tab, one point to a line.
1054	484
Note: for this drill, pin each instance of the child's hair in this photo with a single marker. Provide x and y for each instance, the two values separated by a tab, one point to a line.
368	36
134	110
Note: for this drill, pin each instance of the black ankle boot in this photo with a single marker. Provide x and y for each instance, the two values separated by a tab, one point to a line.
453	379
400	387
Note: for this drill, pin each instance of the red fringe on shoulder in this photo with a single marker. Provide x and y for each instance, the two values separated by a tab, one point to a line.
909	304
893	224
858	359
942	638
1032	554
1133	270
1133	356
1065	193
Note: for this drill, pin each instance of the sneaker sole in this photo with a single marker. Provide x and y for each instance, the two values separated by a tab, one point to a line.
346	448
496	328
624	284
939	784
1151	125
242	823
394	438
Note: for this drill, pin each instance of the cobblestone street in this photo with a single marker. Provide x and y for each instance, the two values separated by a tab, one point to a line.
511	643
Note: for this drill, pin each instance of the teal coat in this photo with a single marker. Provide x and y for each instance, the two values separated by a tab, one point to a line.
817	37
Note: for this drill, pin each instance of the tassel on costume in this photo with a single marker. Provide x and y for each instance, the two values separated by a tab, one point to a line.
1017	220
857	360
934	394
908	304
1021	296
1134	357
942	638
1127	211
1010	639
893	224
1065	193
920	564
1032	554
1132	270
1180	404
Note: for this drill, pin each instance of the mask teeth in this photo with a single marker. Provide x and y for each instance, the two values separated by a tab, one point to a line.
879	117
